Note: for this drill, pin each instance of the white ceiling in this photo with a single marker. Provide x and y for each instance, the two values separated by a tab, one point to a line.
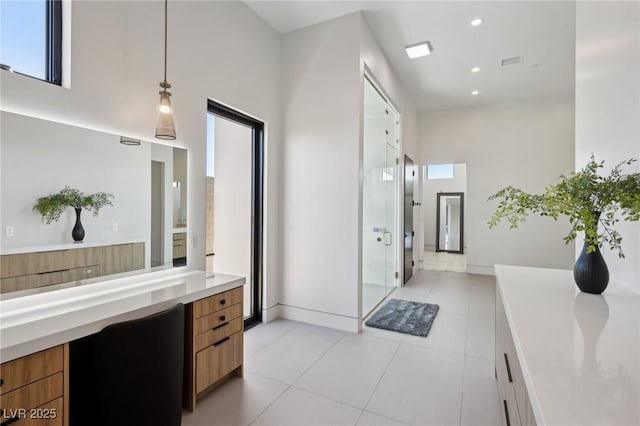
543	32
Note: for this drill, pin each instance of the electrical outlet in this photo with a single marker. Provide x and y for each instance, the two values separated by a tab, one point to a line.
115	226
9	231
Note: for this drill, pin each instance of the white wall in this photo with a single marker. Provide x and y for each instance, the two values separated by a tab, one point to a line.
323	71
523	144
608	106
40	158
321	179
430	202
220	50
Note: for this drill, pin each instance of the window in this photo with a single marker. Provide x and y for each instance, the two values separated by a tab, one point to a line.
439	171
31	38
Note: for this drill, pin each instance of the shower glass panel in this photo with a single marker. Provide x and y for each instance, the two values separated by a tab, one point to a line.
380	181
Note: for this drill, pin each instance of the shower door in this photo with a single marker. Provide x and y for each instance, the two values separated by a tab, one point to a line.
379	199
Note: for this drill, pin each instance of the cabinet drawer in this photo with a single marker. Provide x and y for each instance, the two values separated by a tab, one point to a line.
208	338
510	415
180	236
49	414
217	361
28	369
33	395
34	263
217	302
8	285
220	317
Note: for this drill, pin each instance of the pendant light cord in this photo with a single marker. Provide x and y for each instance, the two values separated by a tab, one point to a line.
165	41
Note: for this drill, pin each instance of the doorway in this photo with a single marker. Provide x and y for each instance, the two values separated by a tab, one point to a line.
444	230
157	214
234	201
409	180
379	198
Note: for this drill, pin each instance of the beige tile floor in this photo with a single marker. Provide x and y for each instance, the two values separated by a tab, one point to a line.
300	374
443	261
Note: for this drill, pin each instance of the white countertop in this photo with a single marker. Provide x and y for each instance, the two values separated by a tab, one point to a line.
68	246
32	323
579	353
179	230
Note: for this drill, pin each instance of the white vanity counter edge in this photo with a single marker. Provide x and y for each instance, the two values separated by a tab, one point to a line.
579	353
69	246
39	321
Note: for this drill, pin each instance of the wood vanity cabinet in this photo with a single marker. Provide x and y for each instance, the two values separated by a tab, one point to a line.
38	269
34	389
514	399
179	245
213	343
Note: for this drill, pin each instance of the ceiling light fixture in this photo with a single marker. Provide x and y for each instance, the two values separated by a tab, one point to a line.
124	140
418	50
475	92
165	129
477	22
475	69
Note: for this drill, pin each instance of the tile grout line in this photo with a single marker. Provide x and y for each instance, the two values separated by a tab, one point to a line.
269	405
318	359
384	373
274	340
464	368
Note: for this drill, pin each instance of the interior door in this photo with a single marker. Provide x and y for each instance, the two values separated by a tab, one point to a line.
409	179
450	222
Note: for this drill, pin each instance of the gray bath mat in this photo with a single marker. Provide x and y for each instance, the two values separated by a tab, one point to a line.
405	317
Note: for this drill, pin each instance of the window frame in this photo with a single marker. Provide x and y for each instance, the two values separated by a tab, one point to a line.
53	45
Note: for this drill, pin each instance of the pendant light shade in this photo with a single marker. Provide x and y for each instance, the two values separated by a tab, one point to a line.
166	128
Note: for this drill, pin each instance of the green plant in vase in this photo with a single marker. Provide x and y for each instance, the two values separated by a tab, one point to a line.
52	206
593	204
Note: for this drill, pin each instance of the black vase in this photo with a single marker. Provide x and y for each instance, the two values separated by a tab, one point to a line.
590	271
78	230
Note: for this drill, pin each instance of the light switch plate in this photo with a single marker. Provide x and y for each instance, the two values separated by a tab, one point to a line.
9	231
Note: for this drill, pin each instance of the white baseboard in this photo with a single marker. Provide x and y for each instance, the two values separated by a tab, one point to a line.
481	270
271	313
322	319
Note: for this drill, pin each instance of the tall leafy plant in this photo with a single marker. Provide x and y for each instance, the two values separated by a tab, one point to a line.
585	197
52	206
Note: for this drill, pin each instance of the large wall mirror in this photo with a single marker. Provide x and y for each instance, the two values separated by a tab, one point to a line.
145	228
450	222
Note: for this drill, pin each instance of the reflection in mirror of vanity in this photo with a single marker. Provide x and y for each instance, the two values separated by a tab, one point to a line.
450	222
137	233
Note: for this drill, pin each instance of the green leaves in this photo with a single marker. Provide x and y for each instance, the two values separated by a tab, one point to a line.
52	206
586	198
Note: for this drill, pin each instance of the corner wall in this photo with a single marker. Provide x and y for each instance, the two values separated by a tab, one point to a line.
523	144
608	107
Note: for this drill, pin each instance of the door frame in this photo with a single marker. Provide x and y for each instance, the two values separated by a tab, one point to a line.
408	211
257	202
461	195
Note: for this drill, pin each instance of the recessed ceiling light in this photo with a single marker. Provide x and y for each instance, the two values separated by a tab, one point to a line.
477	22
475	92
475	69
418	50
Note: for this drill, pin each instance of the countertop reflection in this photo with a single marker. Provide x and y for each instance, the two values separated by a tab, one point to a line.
579	352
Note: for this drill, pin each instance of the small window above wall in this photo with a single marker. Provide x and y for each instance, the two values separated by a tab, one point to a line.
31	38
439	171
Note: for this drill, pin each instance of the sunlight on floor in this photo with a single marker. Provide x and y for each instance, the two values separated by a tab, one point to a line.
443	261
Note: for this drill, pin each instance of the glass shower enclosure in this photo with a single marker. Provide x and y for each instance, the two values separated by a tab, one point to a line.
379	199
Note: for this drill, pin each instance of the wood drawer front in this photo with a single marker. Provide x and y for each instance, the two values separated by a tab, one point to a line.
49	414
208	338
33	395
210	321
217	302
28	369
33	263
215	362
180	236
8	285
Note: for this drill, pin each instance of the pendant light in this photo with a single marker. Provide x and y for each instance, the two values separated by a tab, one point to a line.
165	129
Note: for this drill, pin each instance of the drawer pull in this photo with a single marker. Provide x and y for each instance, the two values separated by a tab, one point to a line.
223	301
506	362
222	318
506	412
8	421
1	382
220	326
52	272
221	341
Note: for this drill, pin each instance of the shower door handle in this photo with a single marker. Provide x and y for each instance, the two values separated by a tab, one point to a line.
387	238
